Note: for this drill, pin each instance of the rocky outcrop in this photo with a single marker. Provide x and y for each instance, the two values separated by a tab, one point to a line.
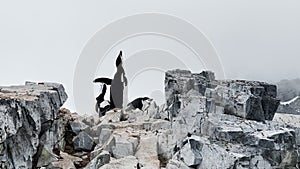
31	124
247	99
205	123
199	127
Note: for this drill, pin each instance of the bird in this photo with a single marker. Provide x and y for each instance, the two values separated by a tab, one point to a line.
137	103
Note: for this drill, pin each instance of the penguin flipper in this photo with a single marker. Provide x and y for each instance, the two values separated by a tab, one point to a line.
104	80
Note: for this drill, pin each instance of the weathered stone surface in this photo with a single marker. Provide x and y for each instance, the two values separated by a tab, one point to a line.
27	113
206	123
100	160
112	116
220	118
46	158
83	142
190	151
247	99
175	164
291	121
128	162
66	161
147	152
77	126
124	146
104	135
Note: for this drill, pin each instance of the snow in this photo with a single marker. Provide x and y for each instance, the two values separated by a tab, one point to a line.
290	101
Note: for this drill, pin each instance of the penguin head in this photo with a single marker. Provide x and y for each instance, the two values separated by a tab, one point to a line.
119	59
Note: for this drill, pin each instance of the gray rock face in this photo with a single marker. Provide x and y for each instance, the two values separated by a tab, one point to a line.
77	126
146	152
190	151
27	114
100	160
225	123
83	142
128	162
205	123
247	99
124	146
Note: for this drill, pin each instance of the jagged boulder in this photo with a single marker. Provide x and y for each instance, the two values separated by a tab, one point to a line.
247	99
77	126
128	162
229	122
100	160
28	114
124	146
147	152
83	142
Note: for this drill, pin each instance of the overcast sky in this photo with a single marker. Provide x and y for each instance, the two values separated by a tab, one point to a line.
41	41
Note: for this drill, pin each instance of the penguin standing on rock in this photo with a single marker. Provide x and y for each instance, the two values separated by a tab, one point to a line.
117	86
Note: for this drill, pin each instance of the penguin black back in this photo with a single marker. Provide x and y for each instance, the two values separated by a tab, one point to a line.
138	102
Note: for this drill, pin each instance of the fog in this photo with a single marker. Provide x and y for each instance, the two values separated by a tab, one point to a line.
42	41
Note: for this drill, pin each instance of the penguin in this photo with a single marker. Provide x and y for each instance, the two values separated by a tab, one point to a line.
118	84
104	80
100	98
137	103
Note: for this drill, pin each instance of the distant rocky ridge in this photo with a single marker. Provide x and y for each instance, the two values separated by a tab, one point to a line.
288	89
289	94
290	107
205	123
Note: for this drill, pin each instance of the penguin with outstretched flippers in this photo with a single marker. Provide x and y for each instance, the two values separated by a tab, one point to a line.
104	80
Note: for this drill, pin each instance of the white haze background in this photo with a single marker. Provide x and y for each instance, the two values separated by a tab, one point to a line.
42	40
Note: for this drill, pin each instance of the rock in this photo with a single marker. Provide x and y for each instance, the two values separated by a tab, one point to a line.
77	126
147	152
247	99
26	113
152	110
112	116
46	158
128	162
66	161
83	142
190	152
228	115
124	146
197	152
100	160
91	120
104	135
174	164
259	162
290	120
54	138
206	123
